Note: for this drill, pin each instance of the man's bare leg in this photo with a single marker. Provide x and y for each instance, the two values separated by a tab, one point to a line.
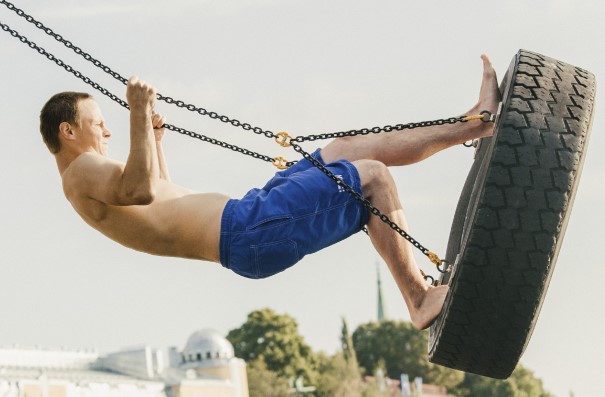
411	146
424	302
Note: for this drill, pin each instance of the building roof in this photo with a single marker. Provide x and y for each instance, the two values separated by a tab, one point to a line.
207	348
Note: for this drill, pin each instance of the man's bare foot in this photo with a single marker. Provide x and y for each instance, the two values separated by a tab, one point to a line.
430	306
489	98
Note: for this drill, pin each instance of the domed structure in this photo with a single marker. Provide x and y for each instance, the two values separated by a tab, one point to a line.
206	348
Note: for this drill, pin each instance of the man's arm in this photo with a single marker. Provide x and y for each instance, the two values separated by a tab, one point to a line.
141	172
158	121
105	180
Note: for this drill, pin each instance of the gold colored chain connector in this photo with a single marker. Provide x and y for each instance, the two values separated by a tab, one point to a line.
475	117
434	258
280	163
485	116
283	139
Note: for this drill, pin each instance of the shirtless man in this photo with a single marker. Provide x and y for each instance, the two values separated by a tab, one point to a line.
298	212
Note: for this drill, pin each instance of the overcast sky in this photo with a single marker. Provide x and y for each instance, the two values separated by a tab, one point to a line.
301	66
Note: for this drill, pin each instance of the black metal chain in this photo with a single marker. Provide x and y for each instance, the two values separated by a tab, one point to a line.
377	130
62	64
122	103
375	211
181	104
60	38
226	145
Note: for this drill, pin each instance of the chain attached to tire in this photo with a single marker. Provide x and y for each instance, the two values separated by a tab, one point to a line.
282	138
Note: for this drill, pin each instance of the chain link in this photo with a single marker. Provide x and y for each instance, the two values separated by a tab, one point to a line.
215	116
222	144
377	130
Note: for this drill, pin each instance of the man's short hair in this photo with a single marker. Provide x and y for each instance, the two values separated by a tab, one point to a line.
59	108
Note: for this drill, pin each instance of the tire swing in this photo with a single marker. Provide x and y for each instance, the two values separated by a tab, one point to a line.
511	216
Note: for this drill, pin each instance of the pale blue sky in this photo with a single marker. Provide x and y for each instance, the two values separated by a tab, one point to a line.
305	67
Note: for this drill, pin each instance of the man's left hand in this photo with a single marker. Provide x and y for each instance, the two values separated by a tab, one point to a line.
158	121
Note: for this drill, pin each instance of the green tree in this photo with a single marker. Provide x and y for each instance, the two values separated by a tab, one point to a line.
526	384
274	339
403	350
522	383
265	383
347	342
340	375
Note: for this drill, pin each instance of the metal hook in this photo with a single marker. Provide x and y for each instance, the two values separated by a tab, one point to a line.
491	117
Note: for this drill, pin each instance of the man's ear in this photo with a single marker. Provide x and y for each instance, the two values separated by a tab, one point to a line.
66	131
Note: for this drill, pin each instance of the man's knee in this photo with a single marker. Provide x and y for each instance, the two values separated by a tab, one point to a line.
375	176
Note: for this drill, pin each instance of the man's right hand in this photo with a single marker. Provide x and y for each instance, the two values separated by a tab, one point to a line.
140	95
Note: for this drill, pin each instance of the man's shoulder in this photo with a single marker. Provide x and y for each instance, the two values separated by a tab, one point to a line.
90	158
89	162
85	169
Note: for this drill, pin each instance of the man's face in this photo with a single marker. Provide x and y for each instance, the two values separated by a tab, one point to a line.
93	135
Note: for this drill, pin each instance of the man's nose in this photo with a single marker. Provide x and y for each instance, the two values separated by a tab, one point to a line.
106	133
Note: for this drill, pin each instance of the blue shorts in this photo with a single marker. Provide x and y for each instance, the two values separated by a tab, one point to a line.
298	212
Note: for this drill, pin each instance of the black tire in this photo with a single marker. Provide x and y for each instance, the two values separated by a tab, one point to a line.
511	217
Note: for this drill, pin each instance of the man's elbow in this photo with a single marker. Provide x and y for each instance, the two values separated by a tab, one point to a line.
143	195
145	199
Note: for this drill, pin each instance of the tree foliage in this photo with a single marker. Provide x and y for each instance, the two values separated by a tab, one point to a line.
339	377
402	349
276	354
346	343
522	383
274	339
265	383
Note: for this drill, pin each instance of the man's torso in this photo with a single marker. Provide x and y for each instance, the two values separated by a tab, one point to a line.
179	222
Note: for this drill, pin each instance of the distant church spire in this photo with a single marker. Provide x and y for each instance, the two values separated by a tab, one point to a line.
381	310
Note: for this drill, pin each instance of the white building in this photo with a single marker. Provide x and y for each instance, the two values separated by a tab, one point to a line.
205	367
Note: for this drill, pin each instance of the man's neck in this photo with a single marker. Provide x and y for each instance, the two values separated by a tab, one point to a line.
65	158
